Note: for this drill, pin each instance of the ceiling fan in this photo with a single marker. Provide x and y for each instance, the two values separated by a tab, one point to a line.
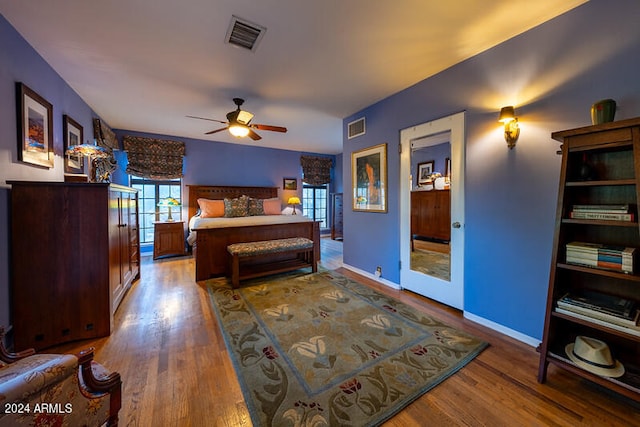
239	123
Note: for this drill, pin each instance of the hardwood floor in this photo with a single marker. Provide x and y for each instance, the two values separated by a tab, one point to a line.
176	371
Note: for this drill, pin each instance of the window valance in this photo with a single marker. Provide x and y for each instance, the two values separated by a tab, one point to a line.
154	158
104	136
316	170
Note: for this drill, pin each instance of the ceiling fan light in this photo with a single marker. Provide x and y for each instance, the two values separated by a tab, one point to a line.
239	131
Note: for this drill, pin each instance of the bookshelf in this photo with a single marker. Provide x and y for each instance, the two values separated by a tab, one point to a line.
600	169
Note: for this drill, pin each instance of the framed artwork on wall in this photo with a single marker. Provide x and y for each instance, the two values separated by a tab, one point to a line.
290	183
425	169
369	179
72	135
35	127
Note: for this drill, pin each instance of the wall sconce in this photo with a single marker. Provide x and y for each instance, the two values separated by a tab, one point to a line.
511	128
293	201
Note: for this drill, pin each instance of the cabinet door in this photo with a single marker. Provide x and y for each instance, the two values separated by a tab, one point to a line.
442	218
126	208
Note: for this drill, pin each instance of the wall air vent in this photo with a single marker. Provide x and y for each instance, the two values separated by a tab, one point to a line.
244	34
356	128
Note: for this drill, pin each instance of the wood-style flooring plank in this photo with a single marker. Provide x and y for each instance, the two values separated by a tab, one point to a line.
176	371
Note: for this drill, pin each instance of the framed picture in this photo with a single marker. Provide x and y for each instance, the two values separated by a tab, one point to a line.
369	179
289	183
72	134
447	167
425	169
35	127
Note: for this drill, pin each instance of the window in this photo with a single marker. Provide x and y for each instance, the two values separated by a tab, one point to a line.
150	193
314	203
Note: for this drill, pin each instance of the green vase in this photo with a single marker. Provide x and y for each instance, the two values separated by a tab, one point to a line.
603	111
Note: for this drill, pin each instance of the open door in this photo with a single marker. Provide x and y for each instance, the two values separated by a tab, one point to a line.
433	259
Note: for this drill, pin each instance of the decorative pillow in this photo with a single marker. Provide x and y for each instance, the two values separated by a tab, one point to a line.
236	207
256	207
211	208
272	206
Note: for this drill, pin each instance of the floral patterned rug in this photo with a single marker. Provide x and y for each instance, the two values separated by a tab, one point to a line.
321	349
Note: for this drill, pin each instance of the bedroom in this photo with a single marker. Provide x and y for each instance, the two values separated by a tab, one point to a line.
560	67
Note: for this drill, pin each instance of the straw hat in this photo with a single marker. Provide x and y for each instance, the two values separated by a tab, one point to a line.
594	356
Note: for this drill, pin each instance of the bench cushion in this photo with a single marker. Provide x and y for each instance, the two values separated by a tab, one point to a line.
269	246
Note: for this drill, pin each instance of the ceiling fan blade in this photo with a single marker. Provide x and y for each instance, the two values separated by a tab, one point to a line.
215	131
254	135
204	118
269	127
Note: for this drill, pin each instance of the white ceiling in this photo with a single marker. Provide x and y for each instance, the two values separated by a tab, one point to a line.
145	64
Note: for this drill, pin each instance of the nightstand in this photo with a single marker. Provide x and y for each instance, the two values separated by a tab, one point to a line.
168	239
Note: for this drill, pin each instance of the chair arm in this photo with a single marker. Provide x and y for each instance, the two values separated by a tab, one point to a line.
9	357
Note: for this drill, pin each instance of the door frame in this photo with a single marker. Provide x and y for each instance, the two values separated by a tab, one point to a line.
447	292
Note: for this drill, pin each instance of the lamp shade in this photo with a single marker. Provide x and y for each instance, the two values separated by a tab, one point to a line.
507	114
88	150
239	130
169	201
293	201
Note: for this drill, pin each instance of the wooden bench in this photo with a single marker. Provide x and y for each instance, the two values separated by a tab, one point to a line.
302	247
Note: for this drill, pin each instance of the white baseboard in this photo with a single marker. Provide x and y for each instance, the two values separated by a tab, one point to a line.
372	276
533	342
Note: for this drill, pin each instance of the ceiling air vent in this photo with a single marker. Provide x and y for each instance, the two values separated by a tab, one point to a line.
244	34
356	128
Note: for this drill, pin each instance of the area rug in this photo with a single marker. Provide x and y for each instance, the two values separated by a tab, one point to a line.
432	263
323	350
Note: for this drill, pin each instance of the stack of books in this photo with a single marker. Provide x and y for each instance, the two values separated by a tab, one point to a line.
616	258
608	310
602	212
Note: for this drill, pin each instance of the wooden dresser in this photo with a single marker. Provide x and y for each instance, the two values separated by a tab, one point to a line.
431	214
75	252
337	206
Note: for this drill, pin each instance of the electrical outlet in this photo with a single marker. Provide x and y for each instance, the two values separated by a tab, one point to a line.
378	271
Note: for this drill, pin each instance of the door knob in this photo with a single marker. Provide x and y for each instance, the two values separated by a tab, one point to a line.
456	225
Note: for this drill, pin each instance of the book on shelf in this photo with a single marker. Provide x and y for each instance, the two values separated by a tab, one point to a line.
606	216
602	208
606	265
617	258
620	212
616	306
631	321
600	247
632	330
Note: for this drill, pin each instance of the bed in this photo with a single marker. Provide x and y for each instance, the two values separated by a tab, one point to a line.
209	241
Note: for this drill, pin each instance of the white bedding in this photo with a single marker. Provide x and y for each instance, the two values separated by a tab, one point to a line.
196	223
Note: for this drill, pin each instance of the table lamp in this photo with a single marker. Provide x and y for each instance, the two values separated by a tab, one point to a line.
169	202
293	201
91	151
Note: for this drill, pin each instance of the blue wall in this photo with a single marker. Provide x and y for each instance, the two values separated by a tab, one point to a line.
19	62
437	154
552	74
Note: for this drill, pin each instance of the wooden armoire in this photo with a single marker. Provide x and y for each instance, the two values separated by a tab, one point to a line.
74	253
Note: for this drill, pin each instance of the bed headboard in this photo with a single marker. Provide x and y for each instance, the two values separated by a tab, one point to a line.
217	192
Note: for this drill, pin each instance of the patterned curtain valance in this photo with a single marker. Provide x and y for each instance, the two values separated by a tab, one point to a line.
104	136
154	158
316	170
